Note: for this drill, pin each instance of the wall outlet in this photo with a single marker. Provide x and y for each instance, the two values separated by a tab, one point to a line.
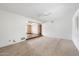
14	41
9	40
22	38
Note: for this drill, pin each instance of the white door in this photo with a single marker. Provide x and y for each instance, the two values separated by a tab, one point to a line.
75	29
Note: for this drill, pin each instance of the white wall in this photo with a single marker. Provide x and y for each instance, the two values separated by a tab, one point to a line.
62	25
58	29
12	27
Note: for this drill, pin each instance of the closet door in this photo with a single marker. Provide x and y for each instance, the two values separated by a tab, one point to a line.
36	28
39	29
29	29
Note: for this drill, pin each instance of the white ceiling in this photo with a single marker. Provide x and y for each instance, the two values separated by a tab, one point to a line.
37	9
31	9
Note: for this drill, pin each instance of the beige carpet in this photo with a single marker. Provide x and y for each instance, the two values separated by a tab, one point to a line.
41	46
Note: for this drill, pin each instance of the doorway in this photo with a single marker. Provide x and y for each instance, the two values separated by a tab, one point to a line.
75	29
33	30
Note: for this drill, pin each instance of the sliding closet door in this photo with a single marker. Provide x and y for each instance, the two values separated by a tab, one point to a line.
39	29
36	28
29	29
